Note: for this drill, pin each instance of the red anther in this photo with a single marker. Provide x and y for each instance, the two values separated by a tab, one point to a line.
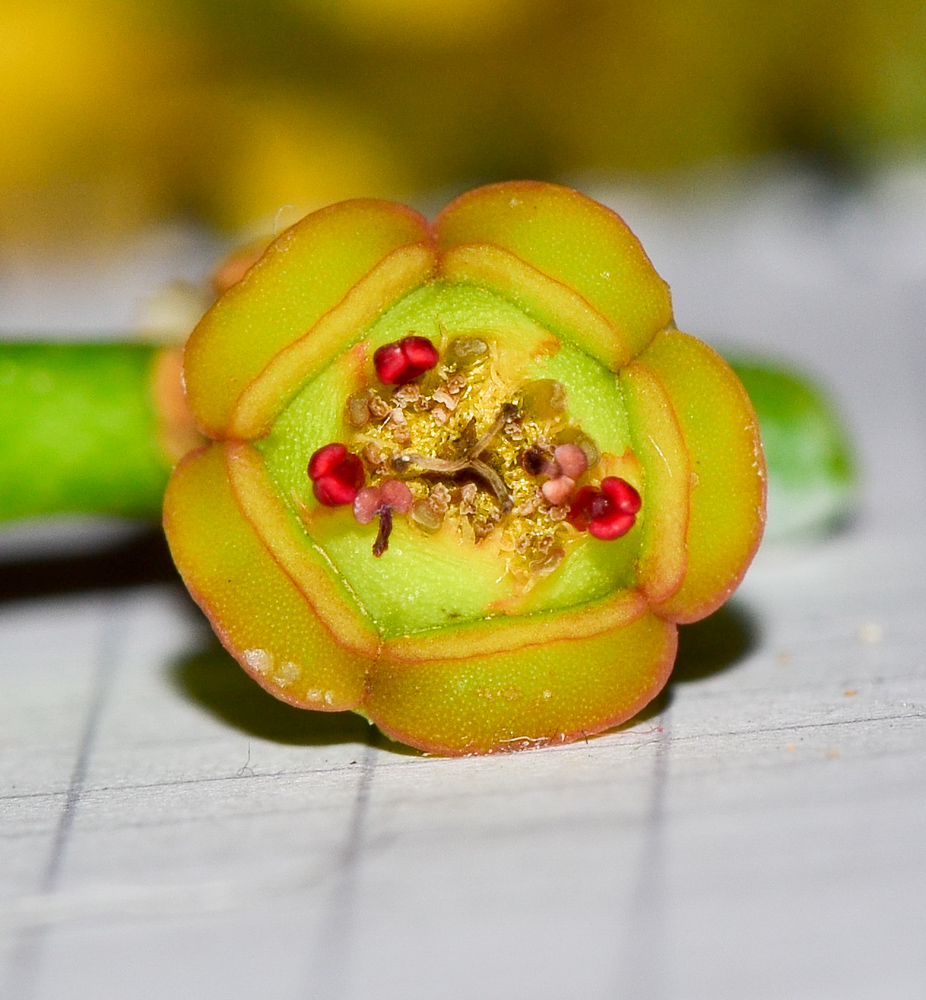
404	360
325	461
390	363
336	475
611	527
606	513
420	353
621	494
580	510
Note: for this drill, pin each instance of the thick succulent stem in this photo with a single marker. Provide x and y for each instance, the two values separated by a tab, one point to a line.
81	429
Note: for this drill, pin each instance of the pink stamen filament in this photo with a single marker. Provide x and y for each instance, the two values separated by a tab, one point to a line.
380	501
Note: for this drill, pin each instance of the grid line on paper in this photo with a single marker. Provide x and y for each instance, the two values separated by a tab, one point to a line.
752	730
337	934
644	972
25	960
102	682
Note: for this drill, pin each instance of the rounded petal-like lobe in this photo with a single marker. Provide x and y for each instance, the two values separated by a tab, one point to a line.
317	285
254	606
660	446
545	691
567	261
721	433
324	592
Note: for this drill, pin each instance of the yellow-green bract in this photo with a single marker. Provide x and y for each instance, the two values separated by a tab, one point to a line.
447	642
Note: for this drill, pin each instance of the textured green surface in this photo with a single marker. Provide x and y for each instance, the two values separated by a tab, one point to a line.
78	430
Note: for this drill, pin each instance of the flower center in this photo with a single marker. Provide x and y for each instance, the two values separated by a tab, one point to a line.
443	439
509	414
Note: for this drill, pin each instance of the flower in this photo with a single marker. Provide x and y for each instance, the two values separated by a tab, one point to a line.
558	475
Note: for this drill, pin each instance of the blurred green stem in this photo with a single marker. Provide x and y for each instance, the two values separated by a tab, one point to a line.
812	475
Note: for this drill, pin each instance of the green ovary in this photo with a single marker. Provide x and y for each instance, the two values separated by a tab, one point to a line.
433	580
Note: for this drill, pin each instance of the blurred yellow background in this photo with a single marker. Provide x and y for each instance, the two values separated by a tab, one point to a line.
120	113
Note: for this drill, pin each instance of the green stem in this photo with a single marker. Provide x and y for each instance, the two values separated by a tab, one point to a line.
812	471
79	430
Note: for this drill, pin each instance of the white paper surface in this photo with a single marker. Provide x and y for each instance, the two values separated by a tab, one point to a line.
166	829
